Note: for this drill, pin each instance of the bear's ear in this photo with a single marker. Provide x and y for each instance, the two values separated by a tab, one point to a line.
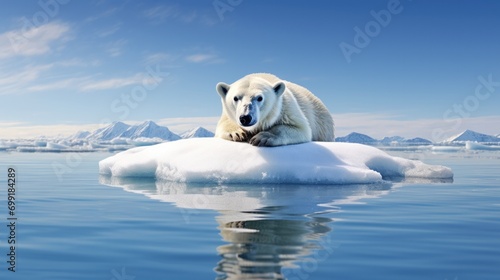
222	89
279	88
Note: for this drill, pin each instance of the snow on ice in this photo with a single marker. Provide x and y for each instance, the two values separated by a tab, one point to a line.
221	161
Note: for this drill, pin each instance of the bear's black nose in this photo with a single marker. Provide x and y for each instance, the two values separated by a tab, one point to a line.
246	120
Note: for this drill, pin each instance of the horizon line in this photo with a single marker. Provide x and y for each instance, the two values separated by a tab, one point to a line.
376	126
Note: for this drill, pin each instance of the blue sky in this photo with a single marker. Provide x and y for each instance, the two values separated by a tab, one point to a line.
415	68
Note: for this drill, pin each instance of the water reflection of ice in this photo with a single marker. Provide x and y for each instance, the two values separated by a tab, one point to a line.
269	229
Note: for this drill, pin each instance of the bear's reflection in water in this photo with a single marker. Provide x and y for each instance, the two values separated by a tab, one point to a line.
272	231
261	249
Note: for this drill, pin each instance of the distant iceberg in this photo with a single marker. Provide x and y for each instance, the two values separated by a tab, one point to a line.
446	149
469	145
221	161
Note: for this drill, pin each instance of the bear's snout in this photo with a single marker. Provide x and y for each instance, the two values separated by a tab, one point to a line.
246	120
247	116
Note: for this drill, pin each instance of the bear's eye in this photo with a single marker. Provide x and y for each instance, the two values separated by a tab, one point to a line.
260	98
235	99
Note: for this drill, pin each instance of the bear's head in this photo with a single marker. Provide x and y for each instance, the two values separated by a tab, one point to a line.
253	104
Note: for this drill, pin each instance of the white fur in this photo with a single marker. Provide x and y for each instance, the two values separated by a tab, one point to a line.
265	111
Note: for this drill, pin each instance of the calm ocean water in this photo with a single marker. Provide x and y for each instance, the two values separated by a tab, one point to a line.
74	224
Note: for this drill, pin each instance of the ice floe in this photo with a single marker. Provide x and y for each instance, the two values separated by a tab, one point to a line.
221	161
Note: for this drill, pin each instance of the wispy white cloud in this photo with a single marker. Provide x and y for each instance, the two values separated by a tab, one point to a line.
116	48
178	60
269	60
208	20
197	58
189	17
31	42
109	30
70	83
160	13
102	15
113	83
16	81
203	58
158	58
28	74
78	62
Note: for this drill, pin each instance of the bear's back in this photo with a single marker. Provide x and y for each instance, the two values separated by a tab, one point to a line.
317	114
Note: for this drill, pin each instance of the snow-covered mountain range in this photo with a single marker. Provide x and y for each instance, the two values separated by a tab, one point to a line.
150	132
150	129
197	132
469	135
119	136
108	132
356	137
147	129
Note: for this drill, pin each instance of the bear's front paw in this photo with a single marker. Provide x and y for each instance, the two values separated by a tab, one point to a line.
264	139
237	136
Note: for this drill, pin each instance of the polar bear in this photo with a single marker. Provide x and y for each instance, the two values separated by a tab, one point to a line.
263	110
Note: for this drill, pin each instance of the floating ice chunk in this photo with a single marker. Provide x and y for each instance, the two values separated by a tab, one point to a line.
217	160
12	144
52	147
446	149
56	146
469	145
40	143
